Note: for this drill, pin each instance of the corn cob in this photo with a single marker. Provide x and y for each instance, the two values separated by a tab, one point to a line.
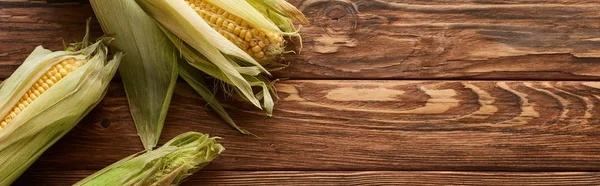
255	41
234	41
169	164
51	77
46	97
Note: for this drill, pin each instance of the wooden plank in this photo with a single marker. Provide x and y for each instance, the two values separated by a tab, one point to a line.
369	125
501	40
49	178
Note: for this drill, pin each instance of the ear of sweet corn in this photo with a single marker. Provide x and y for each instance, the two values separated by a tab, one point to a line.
235	36
258	43
249	75
148	71
167	165
47	113
180	19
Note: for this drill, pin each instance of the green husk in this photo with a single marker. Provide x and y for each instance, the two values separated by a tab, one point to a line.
57	110
167	165
149	70
194	78
211	53
175	16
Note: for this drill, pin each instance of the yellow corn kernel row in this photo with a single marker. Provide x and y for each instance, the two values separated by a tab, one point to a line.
55	74
256	42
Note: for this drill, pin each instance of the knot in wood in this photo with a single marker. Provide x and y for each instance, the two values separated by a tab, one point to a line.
334	16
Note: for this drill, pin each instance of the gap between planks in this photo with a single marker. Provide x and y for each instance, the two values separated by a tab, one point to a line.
389	40
369	125
51	178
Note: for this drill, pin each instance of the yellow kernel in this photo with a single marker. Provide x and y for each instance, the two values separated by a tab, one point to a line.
54	70
13	115
21	106
50	83
230	27
45	86
237	30
254	31
271	35
213	19
78	63
3	124
248	37
36	93
58	76
29	100
238	21
226	14
17	110
259	54
220	11
252	43
231	17
261	44
224	24
244	24
219	21
69	67
261	35
256	48
63	72
243	33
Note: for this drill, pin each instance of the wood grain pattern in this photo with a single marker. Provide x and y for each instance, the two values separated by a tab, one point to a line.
467	39
369	125
462	111
450	39
348	178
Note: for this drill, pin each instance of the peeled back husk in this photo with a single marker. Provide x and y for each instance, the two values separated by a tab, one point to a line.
167	165
148	71
54	112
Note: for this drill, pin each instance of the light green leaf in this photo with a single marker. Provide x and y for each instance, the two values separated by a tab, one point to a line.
232	77
167	165
179	18
196	81
148	71
56	111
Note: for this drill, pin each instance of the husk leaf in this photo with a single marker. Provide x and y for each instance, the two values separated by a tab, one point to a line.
54	112
167	165
148	71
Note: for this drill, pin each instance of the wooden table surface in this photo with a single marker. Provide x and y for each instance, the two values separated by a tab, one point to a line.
469	92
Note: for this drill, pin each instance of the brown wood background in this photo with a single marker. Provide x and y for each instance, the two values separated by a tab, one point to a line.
455	92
